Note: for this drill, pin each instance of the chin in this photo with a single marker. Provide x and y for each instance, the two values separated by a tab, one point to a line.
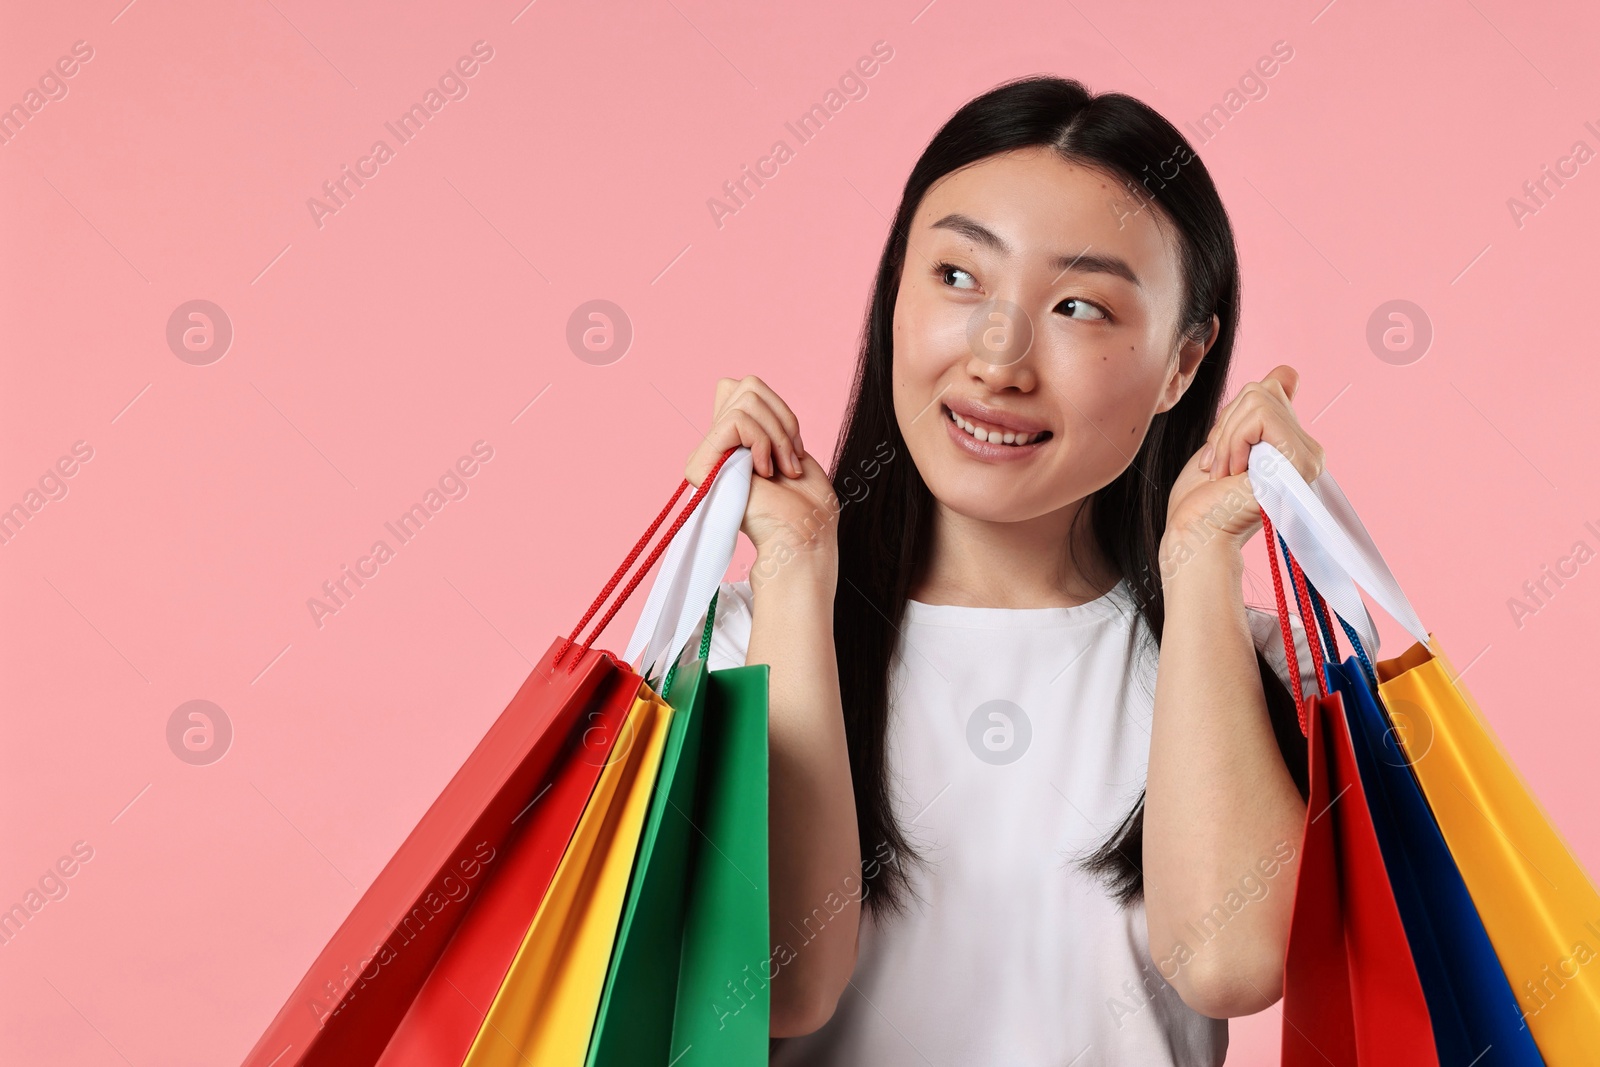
992	496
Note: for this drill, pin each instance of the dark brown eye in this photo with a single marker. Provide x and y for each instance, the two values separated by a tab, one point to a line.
944	270
1072	305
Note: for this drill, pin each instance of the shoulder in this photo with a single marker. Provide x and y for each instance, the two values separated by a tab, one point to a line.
1268	635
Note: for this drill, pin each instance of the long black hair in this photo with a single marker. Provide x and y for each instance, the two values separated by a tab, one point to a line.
884	528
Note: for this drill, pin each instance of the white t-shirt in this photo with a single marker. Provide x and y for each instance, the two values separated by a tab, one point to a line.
1018	739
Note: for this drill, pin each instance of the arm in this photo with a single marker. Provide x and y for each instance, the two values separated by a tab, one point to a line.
815	850
1223	819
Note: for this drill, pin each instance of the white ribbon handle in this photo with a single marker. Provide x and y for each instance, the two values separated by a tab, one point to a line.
1326	536
692	569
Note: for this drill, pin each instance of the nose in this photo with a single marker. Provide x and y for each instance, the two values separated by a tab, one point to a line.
1000	341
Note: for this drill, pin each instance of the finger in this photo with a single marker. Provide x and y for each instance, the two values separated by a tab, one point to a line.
1267	423
783	443
1256	407
754	396
1307	457
726	387
1280	426
1284	376
1252	412
755	405
1287	377
735	428
1208	450
786	416
1250	429
1221	438
1214	438
754	437
719	440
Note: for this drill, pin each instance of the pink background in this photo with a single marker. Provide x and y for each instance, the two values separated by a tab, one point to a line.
431	310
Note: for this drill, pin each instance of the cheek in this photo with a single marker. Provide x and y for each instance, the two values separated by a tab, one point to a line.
1108	401
910	346
930	333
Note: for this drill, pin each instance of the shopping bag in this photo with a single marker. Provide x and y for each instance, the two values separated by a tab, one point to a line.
1351	992
1538	906
724	1004
443	1020
1470	1004
345	1010
544	1011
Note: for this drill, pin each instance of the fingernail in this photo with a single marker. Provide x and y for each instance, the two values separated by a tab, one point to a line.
1205	457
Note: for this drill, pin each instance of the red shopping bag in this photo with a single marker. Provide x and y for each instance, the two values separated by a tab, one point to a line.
445	1016
349	1004
1351	994
443	1020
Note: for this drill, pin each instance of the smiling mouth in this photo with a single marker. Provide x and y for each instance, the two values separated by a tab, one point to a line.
995	436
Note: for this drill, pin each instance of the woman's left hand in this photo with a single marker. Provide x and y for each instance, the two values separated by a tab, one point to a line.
1214	487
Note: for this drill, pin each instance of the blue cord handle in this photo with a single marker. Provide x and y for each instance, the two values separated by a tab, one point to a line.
1323	624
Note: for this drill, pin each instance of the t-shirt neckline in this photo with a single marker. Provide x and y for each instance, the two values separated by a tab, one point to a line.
970	617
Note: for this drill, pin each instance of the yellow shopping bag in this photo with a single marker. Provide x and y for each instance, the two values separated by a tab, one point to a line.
545	1009
1541	911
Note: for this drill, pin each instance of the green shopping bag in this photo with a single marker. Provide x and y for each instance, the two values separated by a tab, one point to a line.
688	980
724	1008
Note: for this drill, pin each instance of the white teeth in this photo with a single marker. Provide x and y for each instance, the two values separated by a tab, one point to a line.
993	437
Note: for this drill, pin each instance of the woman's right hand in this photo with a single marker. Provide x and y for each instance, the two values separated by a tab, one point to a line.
791	499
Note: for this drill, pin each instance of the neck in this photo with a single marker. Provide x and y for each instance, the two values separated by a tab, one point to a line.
1028	564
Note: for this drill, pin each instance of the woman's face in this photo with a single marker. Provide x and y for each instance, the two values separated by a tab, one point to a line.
1039	304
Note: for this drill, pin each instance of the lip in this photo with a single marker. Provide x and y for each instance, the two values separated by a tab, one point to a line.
984	450
974	411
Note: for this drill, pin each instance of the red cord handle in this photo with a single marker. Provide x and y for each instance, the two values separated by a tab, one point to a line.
1309	618
683	516
1303	602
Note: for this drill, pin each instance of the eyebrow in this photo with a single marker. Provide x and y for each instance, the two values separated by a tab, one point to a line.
1084	262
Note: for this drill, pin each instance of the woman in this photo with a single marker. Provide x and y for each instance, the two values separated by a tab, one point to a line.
1003	830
